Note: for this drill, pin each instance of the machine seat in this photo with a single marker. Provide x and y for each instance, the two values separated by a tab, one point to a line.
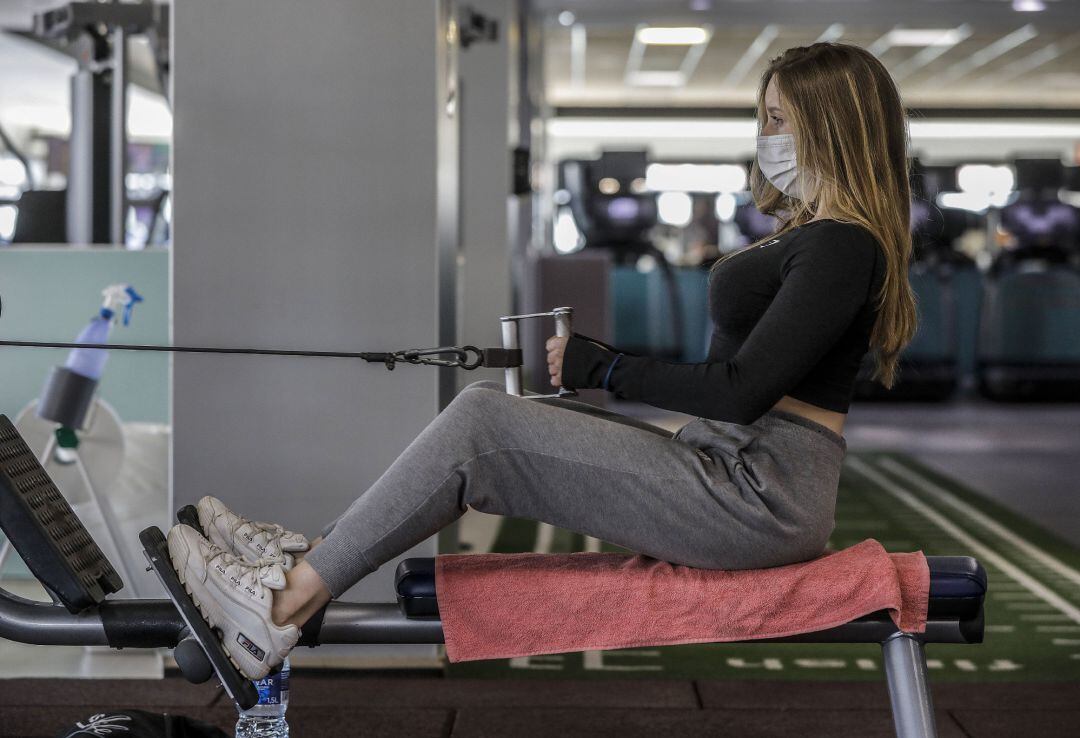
957	588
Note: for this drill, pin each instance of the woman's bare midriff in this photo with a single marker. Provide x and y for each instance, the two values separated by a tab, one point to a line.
831	419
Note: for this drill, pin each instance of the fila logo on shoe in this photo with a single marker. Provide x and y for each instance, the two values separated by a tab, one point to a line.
250	646
251	539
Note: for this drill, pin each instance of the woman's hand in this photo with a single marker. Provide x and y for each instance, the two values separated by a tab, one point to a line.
556	347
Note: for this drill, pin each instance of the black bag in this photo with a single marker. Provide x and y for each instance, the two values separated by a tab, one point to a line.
140	724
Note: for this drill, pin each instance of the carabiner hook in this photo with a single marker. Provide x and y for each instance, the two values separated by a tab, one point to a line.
413	356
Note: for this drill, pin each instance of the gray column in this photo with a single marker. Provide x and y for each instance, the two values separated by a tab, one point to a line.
315	209
489	133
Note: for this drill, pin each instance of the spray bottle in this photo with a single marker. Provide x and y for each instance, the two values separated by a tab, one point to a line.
69	389
90	362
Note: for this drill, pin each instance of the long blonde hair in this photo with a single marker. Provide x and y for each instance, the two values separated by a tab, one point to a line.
851	146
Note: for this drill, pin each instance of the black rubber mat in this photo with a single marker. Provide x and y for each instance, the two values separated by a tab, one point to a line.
375	706
539	723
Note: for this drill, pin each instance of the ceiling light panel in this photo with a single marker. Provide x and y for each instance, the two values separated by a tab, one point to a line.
676	36
924	37
690	41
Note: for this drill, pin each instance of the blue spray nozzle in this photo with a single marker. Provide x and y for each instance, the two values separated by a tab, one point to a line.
117	296
134	297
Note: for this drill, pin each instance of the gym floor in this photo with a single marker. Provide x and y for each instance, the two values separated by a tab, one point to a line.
432	706
989	479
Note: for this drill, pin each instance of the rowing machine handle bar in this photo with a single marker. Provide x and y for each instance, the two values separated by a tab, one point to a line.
564	322
564	328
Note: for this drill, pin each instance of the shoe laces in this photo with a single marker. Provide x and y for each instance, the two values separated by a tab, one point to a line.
263	535
250	574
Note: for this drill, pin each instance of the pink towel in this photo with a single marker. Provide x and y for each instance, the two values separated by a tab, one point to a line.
505	605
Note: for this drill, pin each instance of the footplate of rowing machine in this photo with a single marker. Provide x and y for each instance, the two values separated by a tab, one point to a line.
189	516
239	687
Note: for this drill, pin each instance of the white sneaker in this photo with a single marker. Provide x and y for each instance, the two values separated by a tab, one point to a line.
235	597
249	540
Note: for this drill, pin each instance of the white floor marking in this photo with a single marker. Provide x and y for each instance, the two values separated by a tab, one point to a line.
1052	618
1028	606
979	549
545	534
534	662
1057	628
1066	641
942	495
999	628
594	661
769	664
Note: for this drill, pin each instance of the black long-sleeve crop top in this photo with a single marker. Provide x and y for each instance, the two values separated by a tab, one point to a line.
792	316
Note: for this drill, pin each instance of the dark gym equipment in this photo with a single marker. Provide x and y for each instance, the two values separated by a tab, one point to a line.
96	191
942	279
620	221
41	218
1045	228
1028	348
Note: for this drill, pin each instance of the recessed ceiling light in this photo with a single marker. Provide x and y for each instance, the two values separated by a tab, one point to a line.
684	36
566	18
1028	6
924	37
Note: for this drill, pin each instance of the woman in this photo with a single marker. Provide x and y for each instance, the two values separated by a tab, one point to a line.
750	483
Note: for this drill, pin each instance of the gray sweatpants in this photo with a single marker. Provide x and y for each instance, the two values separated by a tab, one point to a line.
714	495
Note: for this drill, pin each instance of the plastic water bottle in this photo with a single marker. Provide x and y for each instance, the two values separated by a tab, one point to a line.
91	362
267	719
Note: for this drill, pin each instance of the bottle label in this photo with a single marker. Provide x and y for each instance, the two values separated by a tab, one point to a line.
269	690
274	689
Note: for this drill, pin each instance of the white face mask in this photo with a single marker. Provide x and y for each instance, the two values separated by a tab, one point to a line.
776	159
